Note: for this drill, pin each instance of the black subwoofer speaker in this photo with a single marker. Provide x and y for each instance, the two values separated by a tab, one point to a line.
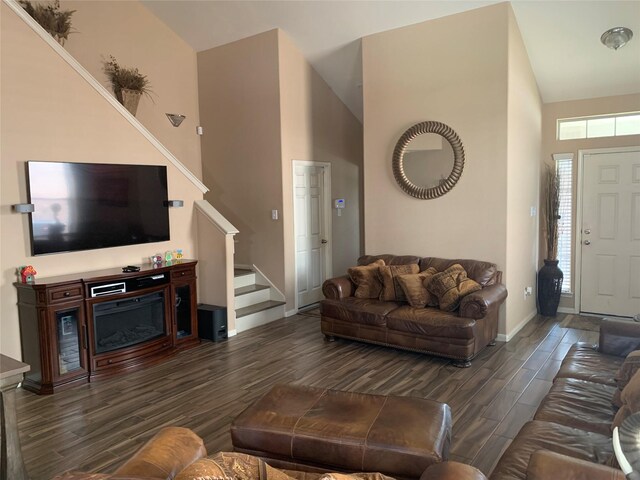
212	322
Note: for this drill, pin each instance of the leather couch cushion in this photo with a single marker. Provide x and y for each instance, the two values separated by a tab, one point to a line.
538	435
430	322
358	310
451	286
485	273
391	289
366	278
584	362
580	404
628	369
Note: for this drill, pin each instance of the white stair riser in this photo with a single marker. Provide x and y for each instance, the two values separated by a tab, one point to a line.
259	318
244	280
252	298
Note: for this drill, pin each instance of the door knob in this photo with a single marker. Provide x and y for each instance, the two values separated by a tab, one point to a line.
587	242
587	231
323	241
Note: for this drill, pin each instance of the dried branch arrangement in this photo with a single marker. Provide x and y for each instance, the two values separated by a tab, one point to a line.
551	187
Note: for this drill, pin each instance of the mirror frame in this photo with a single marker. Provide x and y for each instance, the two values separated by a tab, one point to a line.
427	193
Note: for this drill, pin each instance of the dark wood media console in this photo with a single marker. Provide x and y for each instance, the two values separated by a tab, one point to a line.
78	328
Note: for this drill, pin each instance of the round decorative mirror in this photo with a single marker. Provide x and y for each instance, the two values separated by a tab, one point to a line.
428	160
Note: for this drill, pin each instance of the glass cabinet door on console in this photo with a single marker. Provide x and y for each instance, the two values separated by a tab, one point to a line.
53	335
184	305
70	345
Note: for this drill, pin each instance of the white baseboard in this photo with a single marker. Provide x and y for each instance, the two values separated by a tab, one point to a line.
290	313
232	333
505	338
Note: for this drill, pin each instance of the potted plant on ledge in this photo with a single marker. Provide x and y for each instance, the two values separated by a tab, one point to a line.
55	21
128	84
550	276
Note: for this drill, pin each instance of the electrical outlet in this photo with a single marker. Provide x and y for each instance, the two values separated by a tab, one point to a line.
528	291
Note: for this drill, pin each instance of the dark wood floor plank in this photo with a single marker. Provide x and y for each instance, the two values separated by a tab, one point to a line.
98	425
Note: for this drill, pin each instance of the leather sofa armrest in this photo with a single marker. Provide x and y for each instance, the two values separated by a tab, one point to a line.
619	337
337	288
165	455
477	304
452	471
546	465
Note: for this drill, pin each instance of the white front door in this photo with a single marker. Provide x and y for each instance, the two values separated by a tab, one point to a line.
611	234
310	216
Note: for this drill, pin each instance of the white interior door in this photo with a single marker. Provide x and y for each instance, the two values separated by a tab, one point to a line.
311	215
610	234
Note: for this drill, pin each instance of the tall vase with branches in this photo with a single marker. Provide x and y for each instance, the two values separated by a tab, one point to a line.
550	276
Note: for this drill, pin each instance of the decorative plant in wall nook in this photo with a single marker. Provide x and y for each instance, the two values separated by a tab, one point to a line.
55	21
128	84
550	276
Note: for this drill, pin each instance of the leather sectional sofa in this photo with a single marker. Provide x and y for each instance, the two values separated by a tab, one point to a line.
570	435
459	335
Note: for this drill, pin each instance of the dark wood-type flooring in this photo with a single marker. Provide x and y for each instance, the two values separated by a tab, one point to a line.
94	427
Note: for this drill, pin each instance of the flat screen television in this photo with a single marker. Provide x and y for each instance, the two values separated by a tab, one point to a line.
86	206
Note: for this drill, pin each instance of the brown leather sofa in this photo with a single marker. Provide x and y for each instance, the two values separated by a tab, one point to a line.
570	435
459	335
178	453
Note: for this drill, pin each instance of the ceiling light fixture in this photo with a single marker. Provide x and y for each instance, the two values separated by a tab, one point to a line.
175	118
616	37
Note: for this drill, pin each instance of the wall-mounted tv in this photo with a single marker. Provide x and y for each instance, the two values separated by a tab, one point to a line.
85	206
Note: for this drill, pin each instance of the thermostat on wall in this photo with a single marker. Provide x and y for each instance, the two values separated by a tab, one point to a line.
338	203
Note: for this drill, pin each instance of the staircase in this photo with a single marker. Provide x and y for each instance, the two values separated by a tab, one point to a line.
256	302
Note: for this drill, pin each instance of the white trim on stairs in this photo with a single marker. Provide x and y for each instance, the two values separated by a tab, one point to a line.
73	63
215	217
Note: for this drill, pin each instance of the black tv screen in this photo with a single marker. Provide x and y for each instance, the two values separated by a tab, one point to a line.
85	206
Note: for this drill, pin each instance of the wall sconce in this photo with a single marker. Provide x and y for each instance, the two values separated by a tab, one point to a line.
23	207
174	203
175	118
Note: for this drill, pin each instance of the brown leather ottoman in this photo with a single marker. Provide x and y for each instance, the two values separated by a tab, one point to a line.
344	431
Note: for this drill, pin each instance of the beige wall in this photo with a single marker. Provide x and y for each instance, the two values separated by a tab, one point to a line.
411	75
317	126
478	85
524	112
551	112
50	113
241	155
137	38
262	106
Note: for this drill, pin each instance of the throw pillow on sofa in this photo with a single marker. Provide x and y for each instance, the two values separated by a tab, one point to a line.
627	370
630	397
451	286
365	277
428	275
391	289
413	287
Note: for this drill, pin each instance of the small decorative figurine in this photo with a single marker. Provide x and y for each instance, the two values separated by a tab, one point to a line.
27	274
168	256
179	253
156	259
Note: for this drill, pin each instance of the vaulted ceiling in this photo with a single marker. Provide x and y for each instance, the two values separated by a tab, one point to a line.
562	37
